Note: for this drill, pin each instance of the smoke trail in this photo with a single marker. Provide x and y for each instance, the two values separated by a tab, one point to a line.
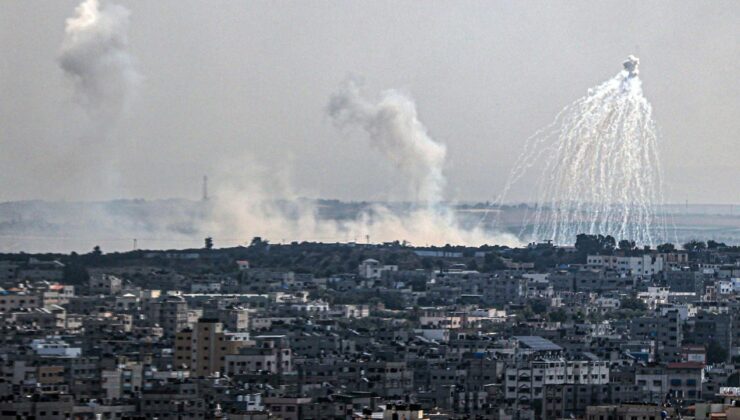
395	130
94	54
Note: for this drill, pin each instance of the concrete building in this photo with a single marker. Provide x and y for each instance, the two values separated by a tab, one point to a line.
234	319
684	281
104	284
644	265
270	354
8	272
666	332
373	269
627	412
13	301
38	407
54	347
169	312
204	348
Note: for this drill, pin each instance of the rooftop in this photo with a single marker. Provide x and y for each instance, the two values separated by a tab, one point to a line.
538	343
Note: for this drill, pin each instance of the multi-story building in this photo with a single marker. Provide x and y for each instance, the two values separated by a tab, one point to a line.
506	289
600	280
271	354
665	330
18	301
373	269
169	312
234	319
104	284
540	364
203	349
38	406
57	294
685	381
526	381
627	411
674	260
684	281
8	272
644	265
709	328
680	380
124	381
180	400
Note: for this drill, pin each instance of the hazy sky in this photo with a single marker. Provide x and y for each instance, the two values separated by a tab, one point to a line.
234	81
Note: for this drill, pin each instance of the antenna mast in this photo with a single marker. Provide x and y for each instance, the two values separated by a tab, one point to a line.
205	188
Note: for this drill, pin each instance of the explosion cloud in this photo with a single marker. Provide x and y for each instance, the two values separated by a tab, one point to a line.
395	130
95	56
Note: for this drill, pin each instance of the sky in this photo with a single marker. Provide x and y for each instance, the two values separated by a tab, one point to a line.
247	83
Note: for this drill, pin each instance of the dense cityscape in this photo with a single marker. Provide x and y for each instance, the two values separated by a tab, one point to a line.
598	330
358	210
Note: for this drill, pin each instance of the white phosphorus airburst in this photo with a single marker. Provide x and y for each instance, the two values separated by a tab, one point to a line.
600	167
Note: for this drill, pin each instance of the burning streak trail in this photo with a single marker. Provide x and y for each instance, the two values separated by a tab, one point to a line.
600	167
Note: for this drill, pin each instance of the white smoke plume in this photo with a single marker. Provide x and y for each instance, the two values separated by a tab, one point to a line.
243	207
248	200
393	127
254	201
94	54
395	130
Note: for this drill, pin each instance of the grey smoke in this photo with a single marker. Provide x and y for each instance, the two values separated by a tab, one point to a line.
395	130
95	55
631	65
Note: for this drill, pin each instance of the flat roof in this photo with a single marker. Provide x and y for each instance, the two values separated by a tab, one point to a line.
536	342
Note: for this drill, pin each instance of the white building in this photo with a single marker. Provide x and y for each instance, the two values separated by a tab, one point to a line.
54	347
440	317
372	269
527	382
314	306
250	402
654	297
685	310
352	311
606	304
645	265
725	287
735	284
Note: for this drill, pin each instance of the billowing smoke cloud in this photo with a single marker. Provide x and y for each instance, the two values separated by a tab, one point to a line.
251	203
95	56
248	200
253	208
394	129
